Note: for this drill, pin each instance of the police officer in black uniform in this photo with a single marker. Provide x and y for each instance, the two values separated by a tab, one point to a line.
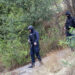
70	22
34	45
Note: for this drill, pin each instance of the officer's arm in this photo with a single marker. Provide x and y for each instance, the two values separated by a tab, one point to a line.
37	37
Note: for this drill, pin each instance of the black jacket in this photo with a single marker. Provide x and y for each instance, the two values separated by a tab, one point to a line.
34	37
70	22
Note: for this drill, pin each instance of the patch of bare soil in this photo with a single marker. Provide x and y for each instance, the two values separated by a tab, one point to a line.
1	67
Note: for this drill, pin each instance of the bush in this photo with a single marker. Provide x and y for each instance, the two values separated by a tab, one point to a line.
14	53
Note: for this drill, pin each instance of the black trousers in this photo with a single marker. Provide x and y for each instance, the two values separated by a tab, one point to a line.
34	51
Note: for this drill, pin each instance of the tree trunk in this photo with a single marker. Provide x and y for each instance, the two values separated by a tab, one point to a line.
70	6
73	5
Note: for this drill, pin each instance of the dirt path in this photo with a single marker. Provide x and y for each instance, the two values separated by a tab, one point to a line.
1	67
53	65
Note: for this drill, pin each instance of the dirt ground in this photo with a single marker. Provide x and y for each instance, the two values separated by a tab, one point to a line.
59	62
1	67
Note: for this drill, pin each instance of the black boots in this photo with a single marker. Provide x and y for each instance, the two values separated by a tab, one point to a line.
32	65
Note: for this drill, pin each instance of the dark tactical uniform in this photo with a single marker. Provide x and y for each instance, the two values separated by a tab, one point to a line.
70	22
34	49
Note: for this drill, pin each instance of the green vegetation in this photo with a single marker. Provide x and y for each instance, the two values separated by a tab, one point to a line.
15	16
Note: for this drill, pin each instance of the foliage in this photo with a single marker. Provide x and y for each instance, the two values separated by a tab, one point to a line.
14	53
70	41
15	17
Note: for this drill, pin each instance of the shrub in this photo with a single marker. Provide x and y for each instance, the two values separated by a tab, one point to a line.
14	53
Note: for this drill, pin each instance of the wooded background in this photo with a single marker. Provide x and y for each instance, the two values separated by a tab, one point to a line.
47	16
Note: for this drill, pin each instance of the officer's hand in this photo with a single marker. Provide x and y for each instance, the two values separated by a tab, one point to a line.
35	43
64	28
28	41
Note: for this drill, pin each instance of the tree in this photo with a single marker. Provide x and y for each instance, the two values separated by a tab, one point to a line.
15	16
70	6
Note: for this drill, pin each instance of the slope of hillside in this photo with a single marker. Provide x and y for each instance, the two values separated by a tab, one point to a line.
54	64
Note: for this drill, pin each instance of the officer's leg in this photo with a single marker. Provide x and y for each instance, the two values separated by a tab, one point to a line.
68	35
32	57
38	55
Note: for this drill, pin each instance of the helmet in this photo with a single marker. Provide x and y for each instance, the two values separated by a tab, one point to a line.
30	27
67	13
